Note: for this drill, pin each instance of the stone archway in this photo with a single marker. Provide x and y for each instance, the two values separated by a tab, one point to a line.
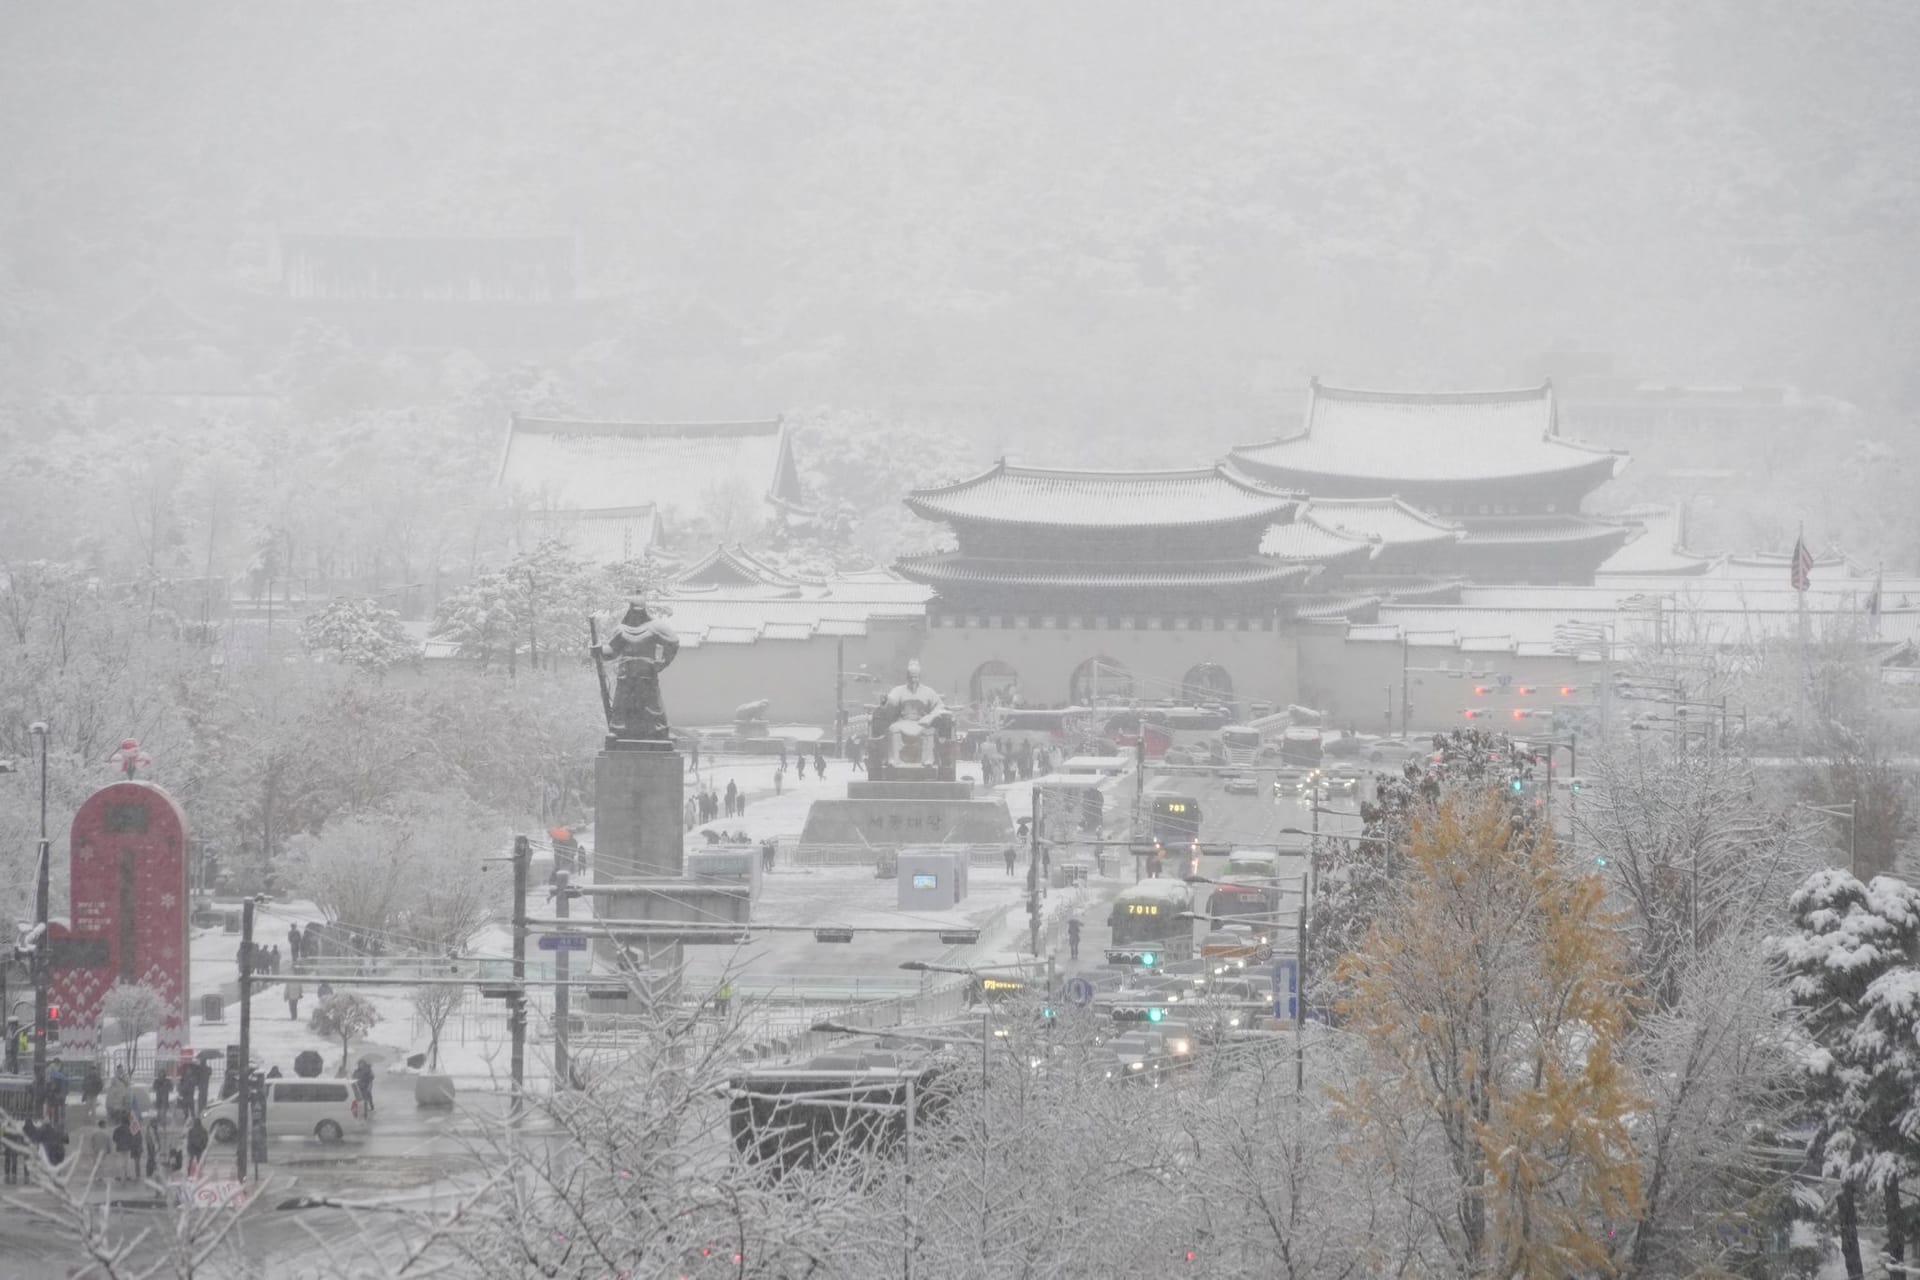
993	680
1099	681
1208	682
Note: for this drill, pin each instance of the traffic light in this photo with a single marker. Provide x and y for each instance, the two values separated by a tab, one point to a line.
1139	958
1574	786
1139	1013
1518	786
1566	691
1470	713
1525	690
1600	860
1049	1012
1479	691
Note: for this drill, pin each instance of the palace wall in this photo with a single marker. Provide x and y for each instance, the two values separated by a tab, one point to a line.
1261	663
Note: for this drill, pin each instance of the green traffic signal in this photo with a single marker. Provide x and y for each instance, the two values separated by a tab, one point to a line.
1147	958
1047	1012
1517	785
1156	1014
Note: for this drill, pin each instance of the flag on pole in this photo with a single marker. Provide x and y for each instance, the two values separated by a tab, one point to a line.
1802	573
1873	597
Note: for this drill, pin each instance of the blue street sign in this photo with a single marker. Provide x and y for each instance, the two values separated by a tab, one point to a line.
1286	987
563	942
1080	992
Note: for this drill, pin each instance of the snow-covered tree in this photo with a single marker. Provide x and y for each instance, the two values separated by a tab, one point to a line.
135	1009
1494	993
1844	938
1686	845
345	1017
360	633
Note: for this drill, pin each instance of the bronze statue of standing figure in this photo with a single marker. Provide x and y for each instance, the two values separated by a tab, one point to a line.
640	648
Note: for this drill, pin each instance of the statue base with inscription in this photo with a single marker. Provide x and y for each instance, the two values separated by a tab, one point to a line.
888	814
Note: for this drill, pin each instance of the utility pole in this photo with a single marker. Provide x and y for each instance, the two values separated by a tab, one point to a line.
1033	875
839	696
244	1147
42	952
1300	994
562	909
517	997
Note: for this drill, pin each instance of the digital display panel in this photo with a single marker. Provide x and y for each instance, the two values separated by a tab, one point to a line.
1143	908
1176	806
923	880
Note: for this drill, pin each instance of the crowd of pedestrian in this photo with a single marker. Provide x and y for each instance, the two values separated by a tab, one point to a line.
1013	759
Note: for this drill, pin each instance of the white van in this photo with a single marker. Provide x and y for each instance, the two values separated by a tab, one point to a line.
322	1108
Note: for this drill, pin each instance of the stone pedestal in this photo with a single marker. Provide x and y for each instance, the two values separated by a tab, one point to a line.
883	814
638	821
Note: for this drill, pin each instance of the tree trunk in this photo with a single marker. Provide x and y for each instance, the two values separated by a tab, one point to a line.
1849	1220
1896	1228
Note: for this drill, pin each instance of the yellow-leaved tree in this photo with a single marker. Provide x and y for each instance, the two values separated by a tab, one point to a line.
1493	993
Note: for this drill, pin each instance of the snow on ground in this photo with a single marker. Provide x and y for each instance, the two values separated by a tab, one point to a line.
474	1046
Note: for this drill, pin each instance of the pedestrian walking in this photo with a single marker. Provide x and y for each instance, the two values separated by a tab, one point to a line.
800	765
733	798
293	942
126	1141
779	778
363	1086
696	757
1073	937
740	805
57	1092
294	993
819	764
783	754
196	1146
1009	855
203	1084
119	1096
311	947
162	1090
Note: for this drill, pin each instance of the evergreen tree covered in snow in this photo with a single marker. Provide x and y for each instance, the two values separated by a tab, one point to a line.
359	632
1848	962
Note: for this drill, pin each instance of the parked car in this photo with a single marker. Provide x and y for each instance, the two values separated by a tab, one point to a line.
1243	784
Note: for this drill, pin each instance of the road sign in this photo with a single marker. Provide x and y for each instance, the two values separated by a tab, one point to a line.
563	942
1262	953
1080	992
1286	988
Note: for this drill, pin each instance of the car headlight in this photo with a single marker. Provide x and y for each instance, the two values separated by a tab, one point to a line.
1181	1046
1136	1066
1233	1022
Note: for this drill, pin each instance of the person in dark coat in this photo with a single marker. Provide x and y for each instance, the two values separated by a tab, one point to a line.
162	1091
363	1085
91	1086
1010	855
1073	937
293	943
127	1142
733	798
819	763
310	941
196	1146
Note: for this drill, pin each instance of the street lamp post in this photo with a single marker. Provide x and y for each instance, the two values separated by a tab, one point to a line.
42	969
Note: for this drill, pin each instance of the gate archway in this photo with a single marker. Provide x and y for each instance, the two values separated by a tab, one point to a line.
1208	682
1099	681
993	681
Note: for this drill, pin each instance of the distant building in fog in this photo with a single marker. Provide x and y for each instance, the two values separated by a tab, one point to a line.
612	488
1493	463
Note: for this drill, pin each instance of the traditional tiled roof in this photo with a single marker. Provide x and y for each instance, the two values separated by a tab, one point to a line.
735	615
733	566
1657	548
1009	494
1388	521
1389	438
1510	530
953	569
672	465
1305	541
606	536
